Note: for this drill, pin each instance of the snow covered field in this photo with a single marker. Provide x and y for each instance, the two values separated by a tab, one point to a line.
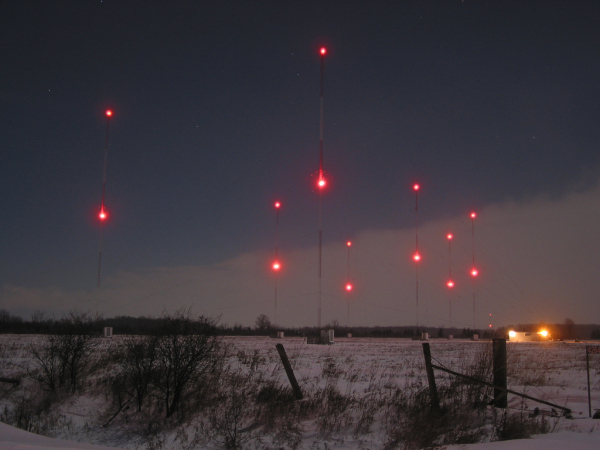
350	386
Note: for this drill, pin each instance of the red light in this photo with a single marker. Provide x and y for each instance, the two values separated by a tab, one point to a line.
276	265
108	113
450	283
321	183
474	272
349	287
349	243
473	215
449	236
417	257
323	51
277	205
103	215
416	187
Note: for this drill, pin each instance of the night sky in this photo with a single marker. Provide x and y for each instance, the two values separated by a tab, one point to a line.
491	106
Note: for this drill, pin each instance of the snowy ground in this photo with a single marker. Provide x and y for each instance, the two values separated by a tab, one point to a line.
553	371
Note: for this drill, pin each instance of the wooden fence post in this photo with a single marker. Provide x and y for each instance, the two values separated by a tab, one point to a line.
435	401
500	372
290	373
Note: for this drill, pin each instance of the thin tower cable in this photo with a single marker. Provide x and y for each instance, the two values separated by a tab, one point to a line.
276	264
348	284
417	256
474	271
450	283
103	214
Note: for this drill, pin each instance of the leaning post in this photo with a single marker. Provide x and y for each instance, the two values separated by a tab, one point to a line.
435	401
290	373
500	372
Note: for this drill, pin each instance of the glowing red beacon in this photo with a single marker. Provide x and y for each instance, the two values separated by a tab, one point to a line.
323	51
276	265
102	215
349	287
417	257
108	113
450	283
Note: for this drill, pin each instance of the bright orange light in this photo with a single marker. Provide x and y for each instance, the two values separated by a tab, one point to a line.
512	333
349	287
277	205
323	51
103	215
108	113
449	236
276	265
450	283
474	272
473	215
543	333
348	243
417	257
416	187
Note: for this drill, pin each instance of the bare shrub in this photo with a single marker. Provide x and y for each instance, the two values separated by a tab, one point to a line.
138	366
186	347
519	425
62	357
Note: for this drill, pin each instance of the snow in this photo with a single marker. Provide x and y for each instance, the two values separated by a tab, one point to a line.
554	372
14	439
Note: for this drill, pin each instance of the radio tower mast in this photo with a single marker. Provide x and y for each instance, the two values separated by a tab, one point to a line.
321	180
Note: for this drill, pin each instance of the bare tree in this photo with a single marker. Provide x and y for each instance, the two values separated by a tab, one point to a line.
263	323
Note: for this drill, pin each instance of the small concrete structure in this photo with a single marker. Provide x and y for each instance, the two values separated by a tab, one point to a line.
475	337
327	337
279	334
349	335
107	333
450	337
424	336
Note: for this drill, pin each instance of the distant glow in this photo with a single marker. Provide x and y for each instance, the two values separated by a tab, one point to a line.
108	113
321	183
474	272
416	187
103	214
349	287
473	215
323	51
349	243
417	257
450	283
512	333
277	205
276	265
449	236
490	325
543	333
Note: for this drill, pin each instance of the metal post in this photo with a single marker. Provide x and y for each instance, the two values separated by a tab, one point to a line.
435	402
587	361
290	373
500	372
